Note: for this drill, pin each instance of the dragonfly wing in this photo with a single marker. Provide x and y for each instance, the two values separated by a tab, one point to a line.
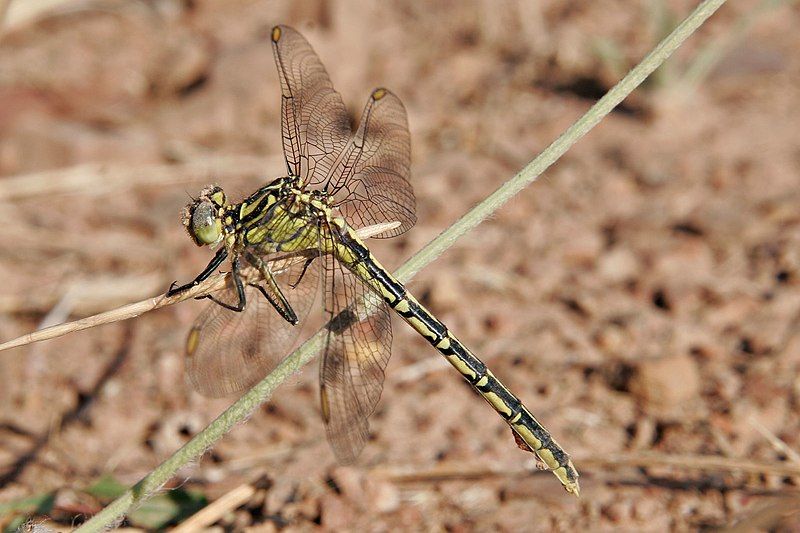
227	352
314	122
357	350
370	181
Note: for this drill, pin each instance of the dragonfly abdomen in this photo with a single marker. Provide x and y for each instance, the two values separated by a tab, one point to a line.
507	405
353	254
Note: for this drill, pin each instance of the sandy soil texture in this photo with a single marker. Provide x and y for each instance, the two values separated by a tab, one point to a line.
642	297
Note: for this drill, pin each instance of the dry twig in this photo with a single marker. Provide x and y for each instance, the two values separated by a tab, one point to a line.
600	463
217	509
769	517
773	439
100	178
212	284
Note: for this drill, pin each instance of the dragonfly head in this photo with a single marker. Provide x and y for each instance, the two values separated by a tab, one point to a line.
202	217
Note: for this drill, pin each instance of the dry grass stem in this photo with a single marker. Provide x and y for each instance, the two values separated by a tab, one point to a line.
609	461
776	443
214	283
245	463
103	244
210	285
101	178
769	517
692	462
217	509
88	296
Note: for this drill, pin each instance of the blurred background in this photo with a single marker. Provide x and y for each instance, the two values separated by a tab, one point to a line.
642	298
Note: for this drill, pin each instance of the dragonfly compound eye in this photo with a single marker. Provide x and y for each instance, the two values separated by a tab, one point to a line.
205	227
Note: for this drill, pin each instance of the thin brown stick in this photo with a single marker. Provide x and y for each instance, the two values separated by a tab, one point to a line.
217	509
124	312
100	178
693	462
774	441
459	471
769	517
212	284
104	244
83	296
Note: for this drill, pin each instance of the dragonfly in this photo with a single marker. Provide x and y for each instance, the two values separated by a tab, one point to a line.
297	236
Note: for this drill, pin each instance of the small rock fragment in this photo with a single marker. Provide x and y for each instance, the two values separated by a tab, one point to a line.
666	384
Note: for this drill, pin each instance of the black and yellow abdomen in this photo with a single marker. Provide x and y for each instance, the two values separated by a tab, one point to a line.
352	253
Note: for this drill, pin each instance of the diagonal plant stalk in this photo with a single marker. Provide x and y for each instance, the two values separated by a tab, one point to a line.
261	391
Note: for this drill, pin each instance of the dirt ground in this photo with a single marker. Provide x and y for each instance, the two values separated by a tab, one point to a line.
642	298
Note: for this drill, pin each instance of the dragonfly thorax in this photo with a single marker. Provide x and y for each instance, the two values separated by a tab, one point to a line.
277	213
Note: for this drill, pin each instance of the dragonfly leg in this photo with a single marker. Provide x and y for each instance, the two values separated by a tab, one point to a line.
237	282
272	292
289	318
303	273
210	268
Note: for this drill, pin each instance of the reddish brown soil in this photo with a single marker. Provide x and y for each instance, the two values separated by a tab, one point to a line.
643	297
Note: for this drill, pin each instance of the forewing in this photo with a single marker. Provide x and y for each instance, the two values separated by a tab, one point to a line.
314	122
357	350
370	183
227	352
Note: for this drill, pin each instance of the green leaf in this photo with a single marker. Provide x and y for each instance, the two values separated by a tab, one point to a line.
158	512
106	488
40	504
15	524
167	508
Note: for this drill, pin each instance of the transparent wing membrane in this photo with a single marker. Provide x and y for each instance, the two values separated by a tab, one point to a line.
366	174
227	352
357	350
371	185
314	121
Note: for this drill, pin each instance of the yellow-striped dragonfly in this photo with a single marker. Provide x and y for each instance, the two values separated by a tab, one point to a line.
298	234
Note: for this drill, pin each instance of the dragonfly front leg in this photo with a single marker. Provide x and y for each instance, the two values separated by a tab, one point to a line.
210	268
237	282
272	292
